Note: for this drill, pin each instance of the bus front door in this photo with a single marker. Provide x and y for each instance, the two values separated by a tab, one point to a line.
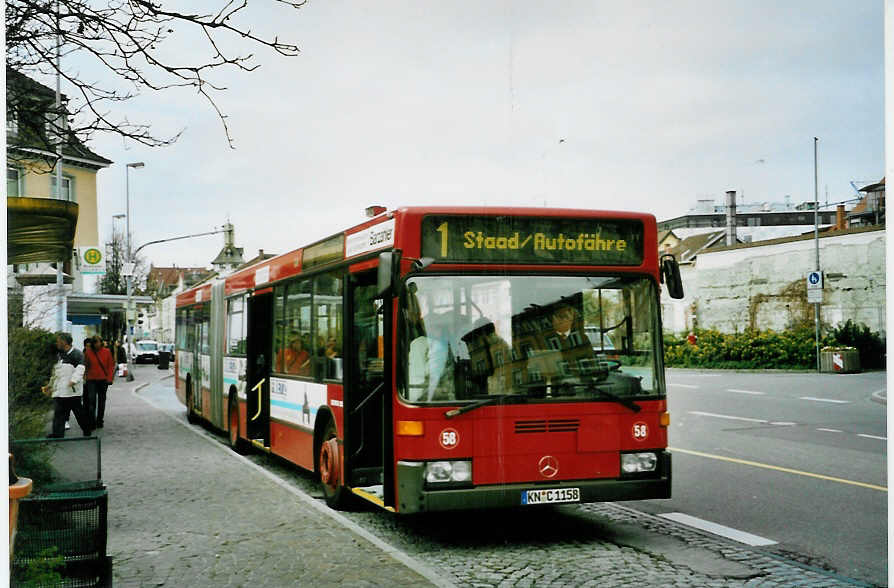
259	352
367	400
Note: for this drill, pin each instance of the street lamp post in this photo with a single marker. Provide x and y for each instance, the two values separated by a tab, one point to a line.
128	312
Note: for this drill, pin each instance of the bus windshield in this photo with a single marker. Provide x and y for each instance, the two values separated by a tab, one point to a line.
529	339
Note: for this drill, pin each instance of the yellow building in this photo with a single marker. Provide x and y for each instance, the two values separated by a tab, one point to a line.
50	225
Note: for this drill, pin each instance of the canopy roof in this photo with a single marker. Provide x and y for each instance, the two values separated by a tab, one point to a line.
40	229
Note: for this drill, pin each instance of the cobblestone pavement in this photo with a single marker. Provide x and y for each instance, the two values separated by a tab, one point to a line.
570	545
182	512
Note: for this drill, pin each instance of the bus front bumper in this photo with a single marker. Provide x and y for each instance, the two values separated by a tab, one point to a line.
413	496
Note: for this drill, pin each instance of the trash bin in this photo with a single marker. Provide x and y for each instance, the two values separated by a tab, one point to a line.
19	488
164	359
840	360
66	515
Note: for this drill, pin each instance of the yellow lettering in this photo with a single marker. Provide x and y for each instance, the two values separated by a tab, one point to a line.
470	239
622	244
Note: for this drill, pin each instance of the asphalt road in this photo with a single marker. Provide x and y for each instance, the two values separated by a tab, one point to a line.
797	459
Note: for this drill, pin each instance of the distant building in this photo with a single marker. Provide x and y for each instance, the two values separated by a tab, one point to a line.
162	285
871	208
230	257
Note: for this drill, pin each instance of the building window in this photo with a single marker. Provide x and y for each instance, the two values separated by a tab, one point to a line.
66	193
13	182
12	122
55	129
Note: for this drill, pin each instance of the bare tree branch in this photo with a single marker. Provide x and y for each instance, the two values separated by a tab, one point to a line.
124	39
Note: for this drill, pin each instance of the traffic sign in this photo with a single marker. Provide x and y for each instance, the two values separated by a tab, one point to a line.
814	281
814	296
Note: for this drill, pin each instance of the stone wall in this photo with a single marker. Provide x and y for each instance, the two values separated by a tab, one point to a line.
763	286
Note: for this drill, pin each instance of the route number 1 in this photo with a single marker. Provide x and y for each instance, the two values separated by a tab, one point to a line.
443	230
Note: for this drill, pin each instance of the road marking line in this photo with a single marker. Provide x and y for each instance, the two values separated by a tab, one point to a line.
746	392
780	469
783	423
872	437
683	385
729	533
832	400
831	430
728	417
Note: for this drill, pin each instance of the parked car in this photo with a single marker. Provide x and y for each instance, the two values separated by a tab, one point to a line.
607	347
145	351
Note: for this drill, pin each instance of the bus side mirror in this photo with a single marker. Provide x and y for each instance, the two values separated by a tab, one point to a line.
670	274
386	279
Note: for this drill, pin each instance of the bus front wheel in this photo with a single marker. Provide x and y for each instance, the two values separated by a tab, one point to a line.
329	468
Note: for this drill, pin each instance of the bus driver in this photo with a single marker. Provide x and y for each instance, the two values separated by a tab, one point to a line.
431	358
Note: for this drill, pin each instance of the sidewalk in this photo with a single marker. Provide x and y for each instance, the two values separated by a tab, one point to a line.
183	511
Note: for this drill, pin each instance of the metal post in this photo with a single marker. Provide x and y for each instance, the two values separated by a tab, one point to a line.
60	287
816	305
127	312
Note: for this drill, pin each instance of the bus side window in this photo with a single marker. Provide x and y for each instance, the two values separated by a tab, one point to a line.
329	329
368	325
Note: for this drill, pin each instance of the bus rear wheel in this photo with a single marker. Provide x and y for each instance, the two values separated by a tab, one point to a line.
329	469
236	444
191	417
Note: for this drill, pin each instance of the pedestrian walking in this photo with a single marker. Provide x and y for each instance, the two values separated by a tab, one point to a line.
100	374
65	388
121	357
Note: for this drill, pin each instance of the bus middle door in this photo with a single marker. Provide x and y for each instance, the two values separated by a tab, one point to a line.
367	398
259	355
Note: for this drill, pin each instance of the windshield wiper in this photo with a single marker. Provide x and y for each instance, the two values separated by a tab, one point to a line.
626	402
483	402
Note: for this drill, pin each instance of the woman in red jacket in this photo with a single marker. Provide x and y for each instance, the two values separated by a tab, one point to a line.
100	374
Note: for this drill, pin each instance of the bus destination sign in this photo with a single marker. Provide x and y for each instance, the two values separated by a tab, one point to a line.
504	239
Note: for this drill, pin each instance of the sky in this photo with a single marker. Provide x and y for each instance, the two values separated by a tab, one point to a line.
644	106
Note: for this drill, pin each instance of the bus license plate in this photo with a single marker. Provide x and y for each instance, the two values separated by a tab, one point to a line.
550	496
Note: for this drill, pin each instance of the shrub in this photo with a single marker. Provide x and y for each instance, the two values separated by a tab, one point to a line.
794	349
31	356
869	344
42	570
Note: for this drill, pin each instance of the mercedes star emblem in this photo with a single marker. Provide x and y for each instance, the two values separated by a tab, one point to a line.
549	466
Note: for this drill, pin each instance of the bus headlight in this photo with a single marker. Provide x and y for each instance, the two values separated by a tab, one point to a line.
447	472
636	463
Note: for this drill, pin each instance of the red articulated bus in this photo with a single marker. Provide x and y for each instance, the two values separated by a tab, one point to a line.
446	358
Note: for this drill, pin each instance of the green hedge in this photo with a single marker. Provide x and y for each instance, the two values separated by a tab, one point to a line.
793	349
869	344
31	357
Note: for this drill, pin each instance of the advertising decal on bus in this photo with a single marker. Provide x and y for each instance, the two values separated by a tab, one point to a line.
376	237
184	363
296	402
262	275
233	368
